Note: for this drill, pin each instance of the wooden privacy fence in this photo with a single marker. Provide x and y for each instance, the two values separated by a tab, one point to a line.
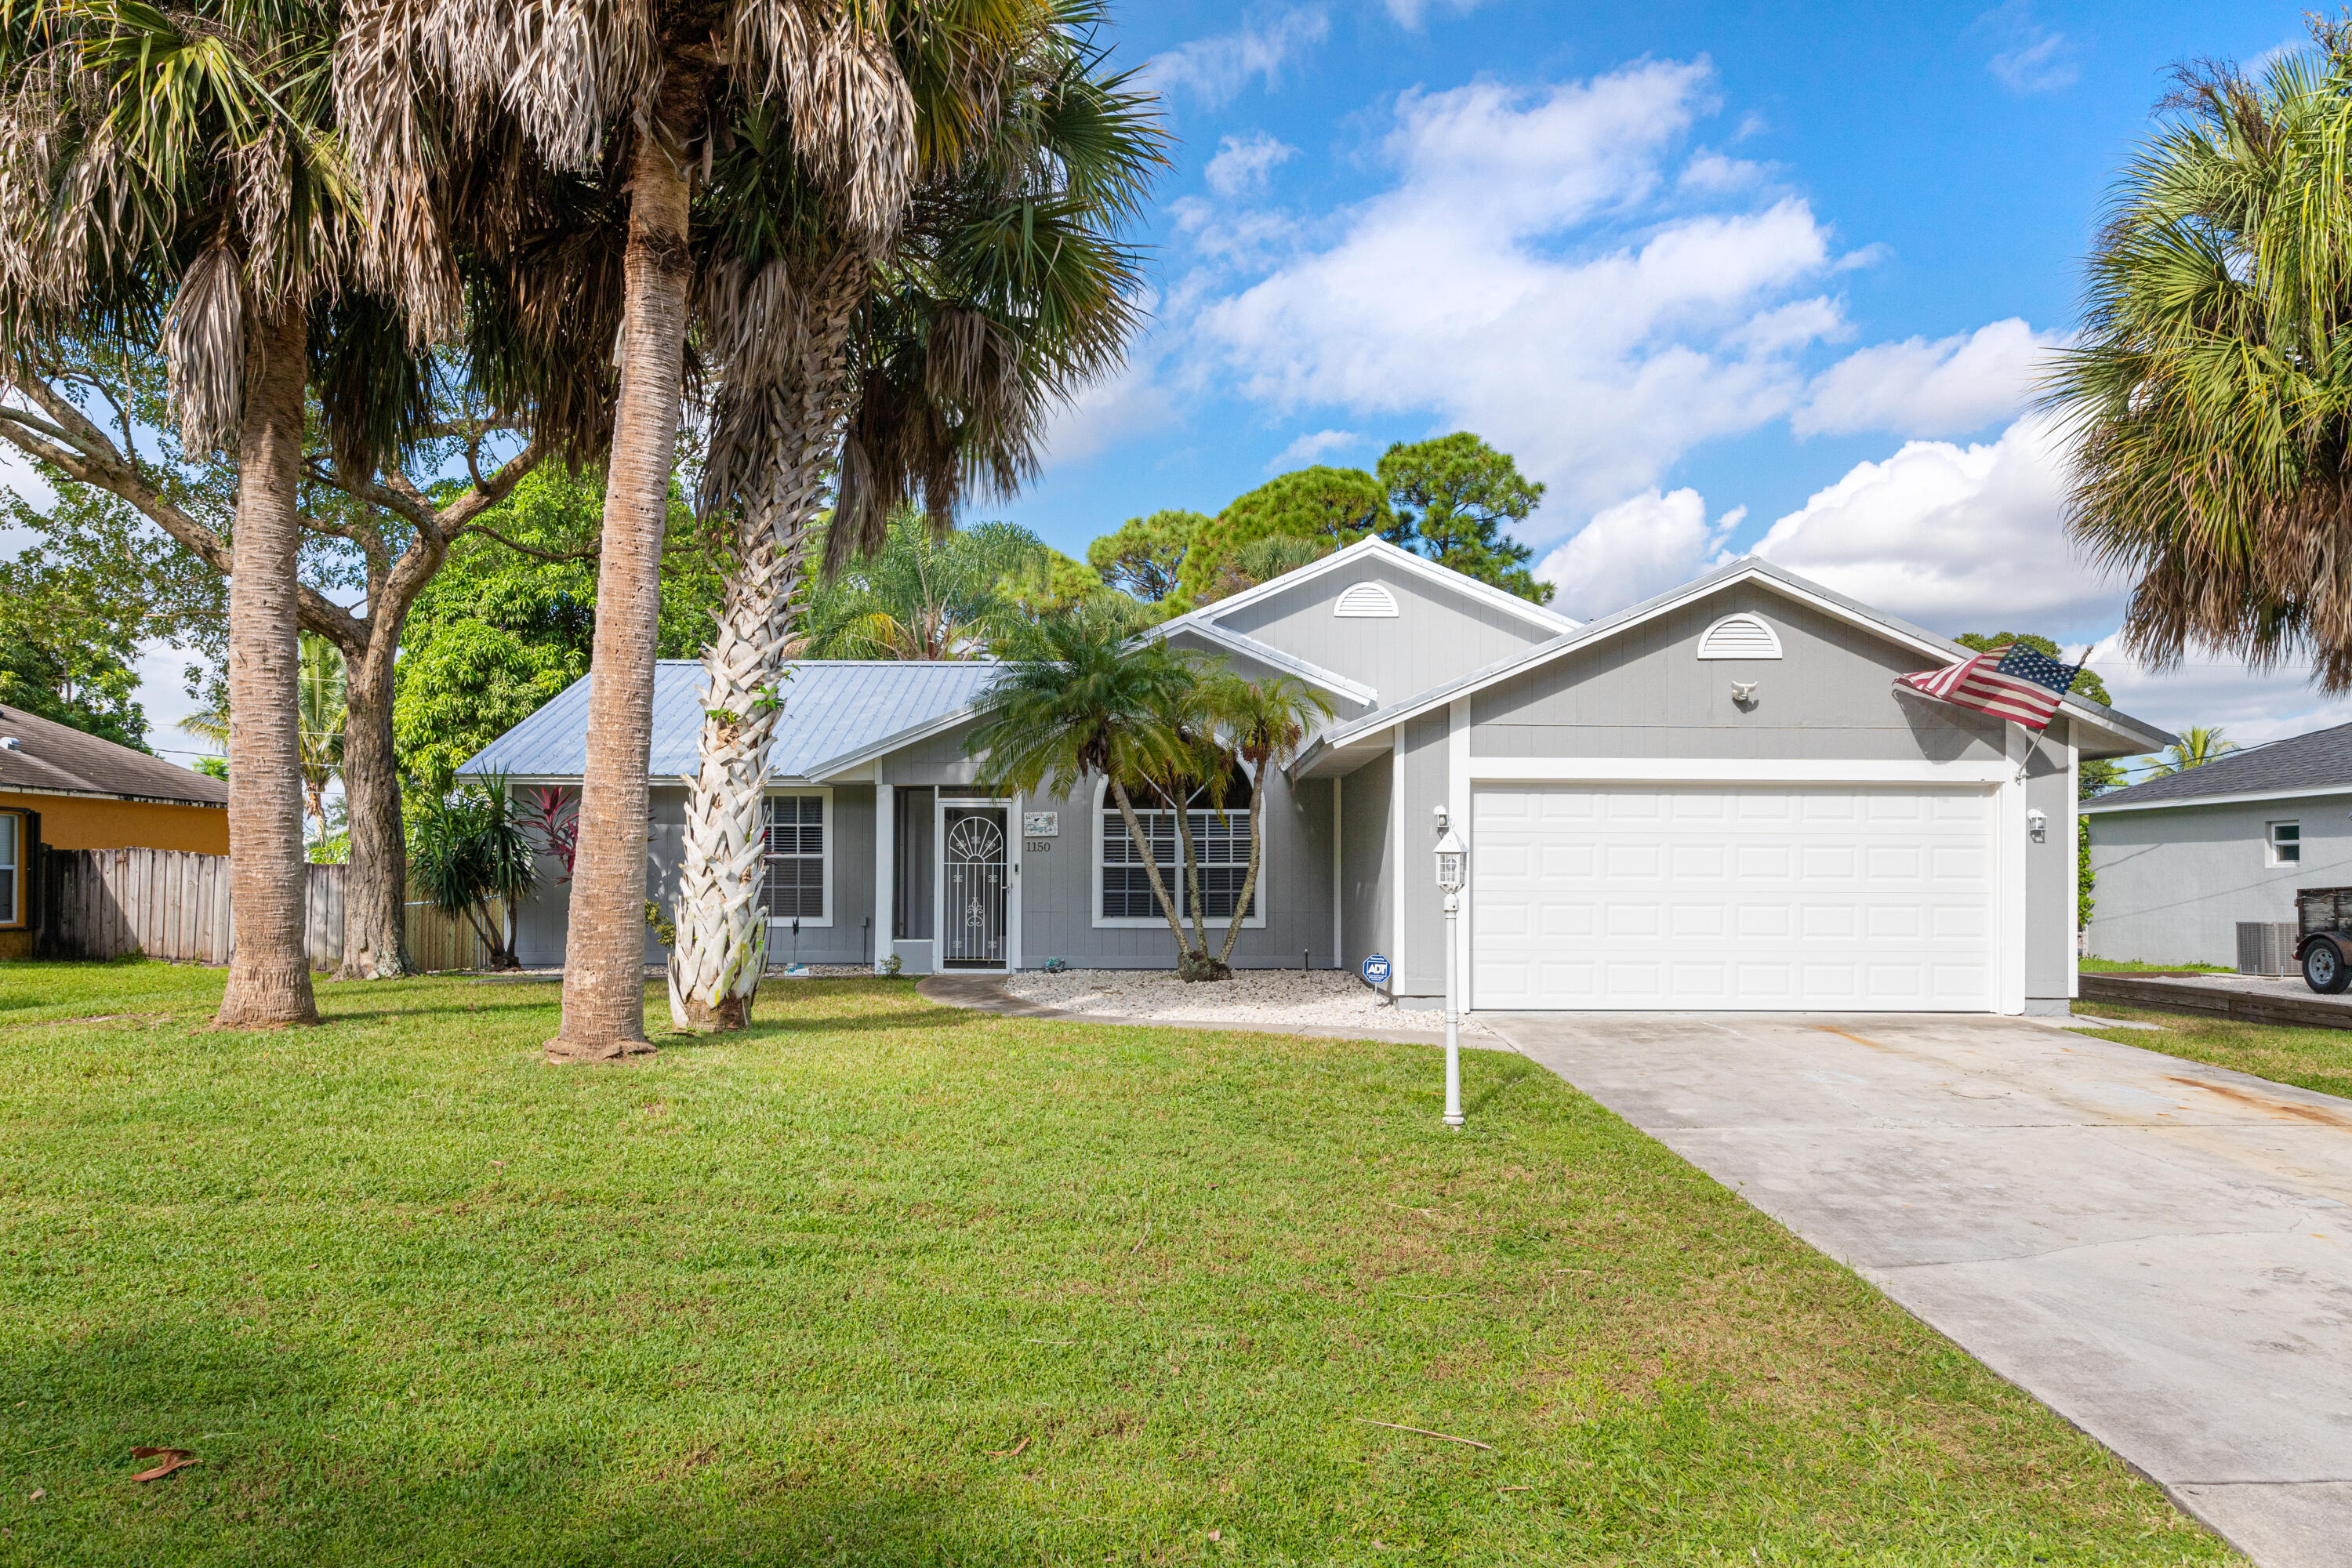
171	903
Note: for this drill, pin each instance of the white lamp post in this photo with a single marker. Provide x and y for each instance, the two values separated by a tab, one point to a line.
1452	853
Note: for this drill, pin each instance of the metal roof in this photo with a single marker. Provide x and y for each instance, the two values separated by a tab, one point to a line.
832	708
2317	764
57	759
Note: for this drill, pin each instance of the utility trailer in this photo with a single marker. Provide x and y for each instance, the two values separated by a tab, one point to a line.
2324	916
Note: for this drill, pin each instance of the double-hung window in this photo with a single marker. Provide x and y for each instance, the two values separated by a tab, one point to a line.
2286	843
797	858
1220	844
11	868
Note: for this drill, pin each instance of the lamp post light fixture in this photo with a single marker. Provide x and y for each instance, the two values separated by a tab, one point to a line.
1451	857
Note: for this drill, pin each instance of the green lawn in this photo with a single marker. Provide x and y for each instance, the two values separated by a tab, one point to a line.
2309	1059
883	1283
2135	966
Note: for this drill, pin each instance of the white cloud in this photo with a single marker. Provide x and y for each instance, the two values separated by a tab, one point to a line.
1954	538
2252	706
1947	387
1413	13
1104	413
1309	450
18	474
2035	60
1632	549
1242	163
1715	174
1217	68
1530	275
163	697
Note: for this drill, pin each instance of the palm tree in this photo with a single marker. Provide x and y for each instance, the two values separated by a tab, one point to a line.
175	171
2209	394
1263	722
322	701
505	101
1082	700
2198	745
923	595
915	368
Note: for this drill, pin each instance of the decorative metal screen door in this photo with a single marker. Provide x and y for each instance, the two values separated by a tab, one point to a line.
973	848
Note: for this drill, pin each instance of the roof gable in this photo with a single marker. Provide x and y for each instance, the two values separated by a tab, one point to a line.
1333	575
2130	733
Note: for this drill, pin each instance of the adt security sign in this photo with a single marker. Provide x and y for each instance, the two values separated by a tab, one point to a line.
1376	970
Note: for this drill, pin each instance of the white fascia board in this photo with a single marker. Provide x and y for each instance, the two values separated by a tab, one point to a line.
2244	798
1365	747
1374	547
1596	632
1720	770
1267	653
1586	636
850	761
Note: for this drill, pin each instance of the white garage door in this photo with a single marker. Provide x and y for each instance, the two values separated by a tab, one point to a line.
1749	897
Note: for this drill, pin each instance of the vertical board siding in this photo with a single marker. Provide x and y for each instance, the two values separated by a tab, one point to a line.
174	904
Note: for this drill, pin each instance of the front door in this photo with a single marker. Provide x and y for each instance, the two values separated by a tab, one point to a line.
972	849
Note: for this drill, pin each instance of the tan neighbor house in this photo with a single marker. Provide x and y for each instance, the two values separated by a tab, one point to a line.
61	788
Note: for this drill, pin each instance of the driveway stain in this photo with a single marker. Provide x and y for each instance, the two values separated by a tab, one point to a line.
2276	1108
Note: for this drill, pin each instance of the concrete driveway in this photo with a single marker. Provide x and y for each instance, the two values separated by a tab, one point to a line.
2159	1250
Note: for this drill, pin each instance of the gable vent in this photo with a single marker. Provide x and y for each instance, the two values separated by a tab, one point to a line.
1365	601
1739	636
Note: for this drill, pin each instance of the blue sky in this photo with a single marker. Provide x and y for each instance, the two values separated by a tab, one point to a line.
1723	276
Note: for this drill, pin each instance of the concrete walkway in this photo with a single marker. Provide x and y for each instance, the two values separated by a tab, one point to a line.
2159	1250
985	993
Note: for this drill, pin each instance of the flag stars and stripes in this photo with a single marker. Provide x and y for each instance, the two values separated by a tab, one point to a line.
2015	682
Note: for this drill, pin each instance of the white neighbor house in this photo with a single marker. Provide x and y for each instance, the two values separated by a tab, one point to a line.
1717	799
2181	859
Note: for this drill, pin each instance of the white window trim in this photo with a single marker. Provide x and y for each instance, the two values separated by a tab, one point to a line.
832	830
15	872
1772	636
2271	855
1159	921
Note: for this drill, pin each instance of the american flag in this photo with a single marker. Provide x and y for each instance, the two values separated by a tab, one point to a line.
2012	682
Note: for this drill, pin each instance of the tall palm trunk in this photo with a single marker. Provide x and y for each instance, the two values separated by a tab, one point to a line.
268	973
375	886
721	950
1249	880
603	965
1190	962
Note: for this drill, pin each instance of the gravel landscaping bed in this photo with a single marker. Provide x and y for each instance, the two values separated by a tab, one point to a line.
1277	998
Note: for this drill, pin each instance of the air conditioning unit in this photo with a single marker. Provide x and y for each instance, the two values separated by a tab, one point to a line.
2266	947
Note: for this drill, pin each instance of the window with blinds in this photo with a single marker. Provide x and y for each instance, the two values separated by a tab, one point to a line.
795	881
1220	841
11	858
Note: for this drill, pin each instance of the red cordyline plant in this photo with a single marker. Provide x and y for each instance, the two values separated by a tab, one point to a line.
552	812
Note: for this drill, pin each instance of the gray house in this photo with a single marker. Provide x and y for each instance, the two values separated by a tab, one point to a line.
2181	859
1717	799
